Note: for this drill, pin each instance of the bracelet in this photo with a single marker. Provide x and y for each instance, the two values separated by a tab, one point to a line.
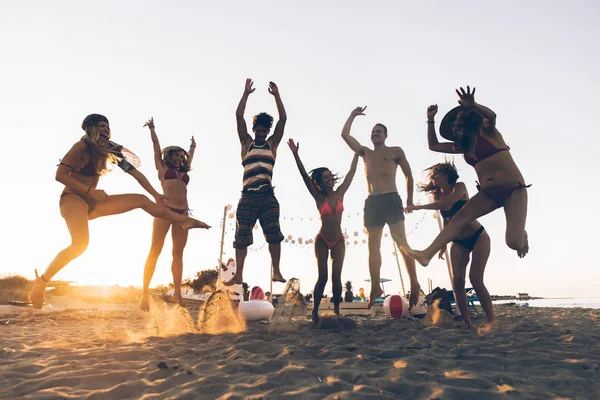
429	122
151	126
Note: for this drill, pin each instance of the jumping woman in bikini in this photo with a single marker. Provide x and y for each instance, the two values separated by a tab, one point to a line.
80	202
173	164
473	242
472	129
330	238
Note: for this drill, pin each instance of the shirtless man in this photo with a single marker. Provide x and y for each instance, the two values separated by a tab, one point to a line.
384	205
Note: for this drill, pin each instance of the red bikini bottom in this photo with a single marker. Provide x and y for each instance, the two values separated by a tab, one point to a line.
501	195
330	244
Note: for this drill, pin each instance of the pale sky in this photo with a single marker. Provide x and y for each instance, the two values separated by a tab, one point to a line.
534	63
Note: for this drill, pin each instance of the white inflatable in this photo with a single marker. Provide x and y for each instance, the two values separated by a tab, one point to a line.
227	272
255	310
395	306
420	309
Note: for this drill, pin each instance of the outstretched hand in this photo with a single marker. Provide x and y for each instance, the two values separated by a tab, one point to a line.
160	199
431	111
193	142
358	111
150	123
294	146
467	98
248	88
409	208
273	89
441	253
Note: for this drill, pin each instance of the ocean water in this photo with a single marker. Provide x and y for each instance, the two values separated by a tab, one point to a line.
581	302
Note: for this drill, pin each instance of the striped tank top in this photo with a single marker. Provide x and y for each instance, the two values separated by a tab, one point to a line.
258	167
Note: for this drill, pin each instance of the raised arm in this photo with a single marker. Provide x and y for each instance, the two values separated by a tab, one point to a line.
192	149
458	193
157	153
467	99
432	140
307	181
280	126
351	141
242	129
349	176
410	183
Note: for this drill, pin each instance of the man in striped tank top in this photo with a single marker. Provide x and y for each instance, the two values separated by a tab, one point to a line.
258	199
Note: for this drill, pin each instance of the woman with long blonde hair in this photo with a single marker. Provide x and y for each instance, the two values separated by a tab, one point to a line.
81	201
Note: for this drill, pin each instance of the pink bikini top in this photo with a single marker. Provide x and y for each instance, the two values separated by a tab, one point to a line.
172	174
483	149
326	208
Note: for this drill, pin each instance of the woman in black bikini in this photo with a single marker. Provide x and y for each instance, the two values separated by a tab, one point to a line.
80	201
449	197
472	129
330	238
173	164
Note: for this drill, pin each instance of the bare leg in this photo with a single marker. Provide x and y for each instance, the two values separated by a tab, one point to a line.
240	259
180	237
275	250
459	257
321	253
399	235
478	205
122	203
337	256
75	212
374	263
515	209
481	253
160	228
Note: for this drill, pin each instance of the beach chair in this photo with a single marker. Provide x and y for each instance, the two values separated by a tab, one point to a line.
471	298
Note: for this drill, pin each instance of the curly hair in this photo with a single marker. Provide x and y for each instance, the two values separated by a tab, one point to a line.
262	119
168	152
447	168
316	176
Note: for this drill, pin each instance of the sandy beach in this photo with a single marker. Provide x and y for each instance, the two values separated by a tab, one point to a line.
109	352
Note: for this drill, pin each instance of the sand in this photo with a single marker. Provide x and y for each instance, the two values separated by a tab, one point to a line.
119	352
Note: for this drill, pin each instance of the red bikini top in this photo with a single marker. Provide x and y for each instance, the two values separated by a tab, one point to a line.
326	208
483	149
172	174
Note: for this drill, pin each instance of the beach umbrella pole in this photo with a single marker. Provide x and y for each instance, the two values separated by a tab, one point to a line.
221	250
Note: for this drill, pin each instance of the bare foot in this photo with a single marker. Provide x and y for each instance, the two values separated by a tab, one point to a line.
467	325
336	309
525	249
488	329
418	256
179	299
375	293
192	223
315	317
277	277
236	280
145	303
415	291
38	291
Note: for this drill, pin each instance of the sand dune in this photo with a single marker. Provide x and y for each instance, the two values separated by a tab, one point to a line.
106	353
